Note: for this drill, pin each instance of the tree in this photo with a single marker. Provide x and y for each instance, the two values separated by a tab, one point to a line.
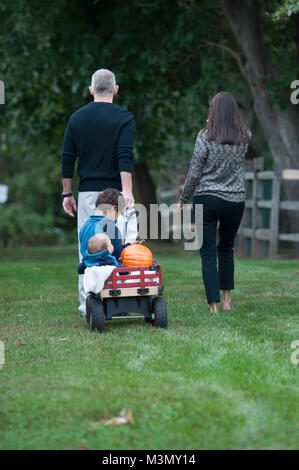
168	68
278	118
287	9
48	52
279	124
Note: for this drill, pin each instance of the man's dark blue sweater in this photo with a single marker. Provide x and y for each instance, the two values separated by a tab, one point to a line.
101	135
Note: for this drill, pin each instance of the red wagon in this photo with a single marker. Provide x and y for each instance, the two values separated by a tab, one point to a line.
136	290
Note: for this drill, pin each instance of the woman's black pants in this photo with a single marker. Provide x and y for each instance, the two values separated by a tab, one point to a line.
229	214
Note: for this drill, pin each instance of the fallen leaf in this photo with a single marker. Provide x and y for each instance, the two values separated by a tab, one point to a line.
116	421
35	269
130	417
125	417
82	447
63	339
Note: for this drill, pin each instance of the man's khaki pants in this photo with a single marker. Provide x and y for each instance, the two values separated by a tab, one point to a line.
127	225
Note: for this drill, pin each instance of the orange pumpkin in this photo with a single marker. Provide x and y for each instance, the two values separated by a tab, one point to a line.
136	255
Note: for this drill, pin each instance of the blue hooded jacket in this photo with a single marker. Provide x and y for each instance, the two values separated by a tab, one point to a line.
100	224
101	258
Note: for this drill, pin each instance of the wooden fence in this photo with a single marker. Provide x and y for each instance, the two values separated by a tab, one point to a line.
264	240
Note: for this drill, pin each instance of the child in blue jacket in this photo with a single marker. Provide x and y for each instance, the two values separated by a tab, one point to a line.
99	253
108	206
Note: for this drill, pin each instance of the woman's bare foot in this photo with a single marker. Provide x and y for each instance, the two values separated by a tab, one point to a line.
227	306
214	307
226	301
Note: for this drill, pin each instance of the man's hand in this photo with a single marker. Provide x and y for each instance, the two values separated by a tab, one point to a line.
68	205
126	184
128	195
181	206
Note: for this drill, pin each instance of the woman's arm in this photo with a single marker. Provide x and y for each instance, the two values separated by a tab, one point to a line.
195	170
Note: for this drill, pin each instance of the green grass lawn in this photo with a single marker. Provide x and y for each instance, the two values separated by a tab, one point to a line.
207	382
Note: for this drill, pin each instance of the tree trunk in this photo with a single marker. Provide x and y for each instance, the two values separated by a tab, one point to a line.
144	191
280	126
144	188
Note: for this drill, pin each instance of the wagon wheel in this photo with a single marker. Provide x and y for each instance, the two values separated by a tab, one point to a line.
88	308
95	316
160	313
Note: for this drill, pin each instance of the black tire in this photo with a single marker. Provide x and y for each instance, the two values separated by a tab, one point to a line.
160	313
96	315
88	308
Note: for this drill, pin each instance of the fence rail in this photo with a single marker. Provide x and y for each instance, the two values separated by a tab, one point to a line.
252	224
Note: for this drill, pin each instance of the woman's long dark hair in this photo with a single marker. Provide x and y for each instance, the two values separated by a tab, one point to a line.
225	124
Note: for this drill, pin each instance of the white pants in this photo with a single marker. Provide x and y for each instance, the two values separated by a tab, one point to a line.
126	223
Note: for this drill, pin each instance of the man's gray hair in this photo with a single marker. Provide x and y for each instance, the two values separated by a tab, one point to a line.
103	82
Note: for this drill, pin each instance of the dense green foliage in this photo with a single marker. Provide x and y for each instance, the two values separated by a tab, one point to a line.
165	64
208	382
287	9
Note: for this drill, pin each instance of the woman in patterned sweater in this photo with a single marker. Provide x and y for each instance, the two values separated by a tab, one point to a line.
216	180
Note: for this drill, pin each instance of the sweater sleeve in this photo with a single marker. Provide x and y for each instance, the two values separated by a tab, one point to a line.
118	247
69	153
196	168
126	146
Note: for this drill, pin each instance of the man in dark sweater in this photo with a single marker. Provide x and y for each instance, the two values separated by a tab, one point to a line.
101	136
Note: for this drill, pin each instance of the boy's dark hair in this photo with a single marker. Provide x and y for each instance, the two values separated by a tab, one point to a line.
111	197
